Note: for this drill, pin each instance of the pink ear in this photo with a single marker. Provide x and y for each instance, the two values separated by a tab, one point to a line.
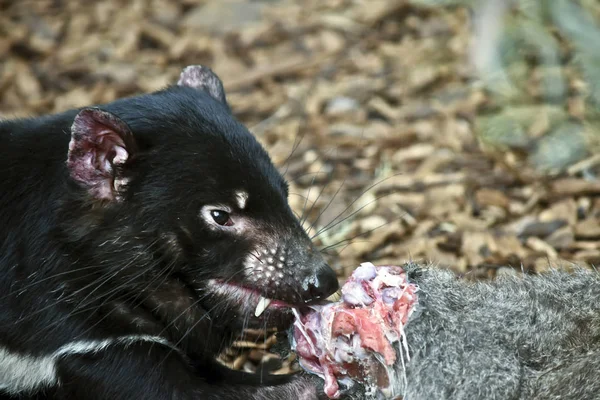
100	144
203	78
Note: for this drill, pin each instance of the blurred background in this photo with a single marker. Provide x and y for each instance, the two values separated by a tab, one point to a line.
458	133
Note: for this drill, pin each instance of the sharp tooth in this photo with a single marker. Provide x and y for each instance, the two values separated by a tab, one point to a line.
263	303
335	297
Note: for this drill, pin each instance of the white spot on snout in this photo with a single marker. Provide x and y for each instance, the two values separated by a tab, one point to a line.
241	198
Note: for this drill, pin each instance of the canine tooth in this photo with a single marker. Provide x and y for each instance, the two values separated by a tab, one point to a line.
263	303
335	297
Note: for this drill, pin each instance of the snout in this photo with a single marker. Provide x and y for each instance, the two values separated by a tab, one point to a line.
319	285
294	273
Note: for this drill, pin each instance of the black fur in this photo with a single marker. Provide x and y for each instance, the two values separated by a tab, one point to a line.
76	269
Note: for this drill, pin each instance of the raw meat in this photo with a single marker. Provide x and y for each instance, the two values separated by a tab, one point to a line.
360	337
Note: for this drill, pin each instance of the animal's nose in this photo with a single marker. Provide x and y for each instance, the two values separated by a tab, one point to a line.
319	285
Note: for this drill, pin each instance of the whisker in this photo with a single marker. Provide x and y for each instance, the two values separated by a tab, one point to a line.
257	257
190	329
294	148
299	195
37	282
344	248
335	194
81	304
312	226
339	244
361	234
312	206
48	329
326	227
304	216
306	174
113	275
206	315
195	303
166	274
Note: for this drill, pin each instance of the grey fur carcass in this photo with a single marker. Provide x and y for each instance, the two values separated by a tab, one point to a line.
512	338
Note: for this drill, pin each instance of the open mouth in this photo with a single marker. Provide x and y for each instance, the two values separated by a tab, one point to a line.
245	295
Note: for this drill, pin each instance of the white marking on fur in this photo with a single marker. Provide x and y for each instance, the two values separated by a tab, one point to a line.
241	197
26	373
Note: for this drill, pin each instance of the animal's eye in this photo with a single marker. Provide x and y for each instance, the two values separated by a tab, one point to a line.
221	217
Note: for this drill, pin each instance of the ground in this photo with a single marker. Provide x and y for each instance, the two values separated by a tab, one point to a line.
407	131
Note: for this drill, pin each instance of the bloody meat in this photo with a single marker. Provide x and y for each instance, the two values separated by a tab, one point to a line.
359	338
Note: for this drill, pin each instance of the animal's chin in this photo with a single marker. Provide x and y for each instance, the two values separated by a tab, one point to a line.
253	310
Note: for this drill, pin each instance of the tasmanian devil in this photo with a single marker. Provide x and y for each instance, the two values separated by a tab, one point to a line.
139	238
